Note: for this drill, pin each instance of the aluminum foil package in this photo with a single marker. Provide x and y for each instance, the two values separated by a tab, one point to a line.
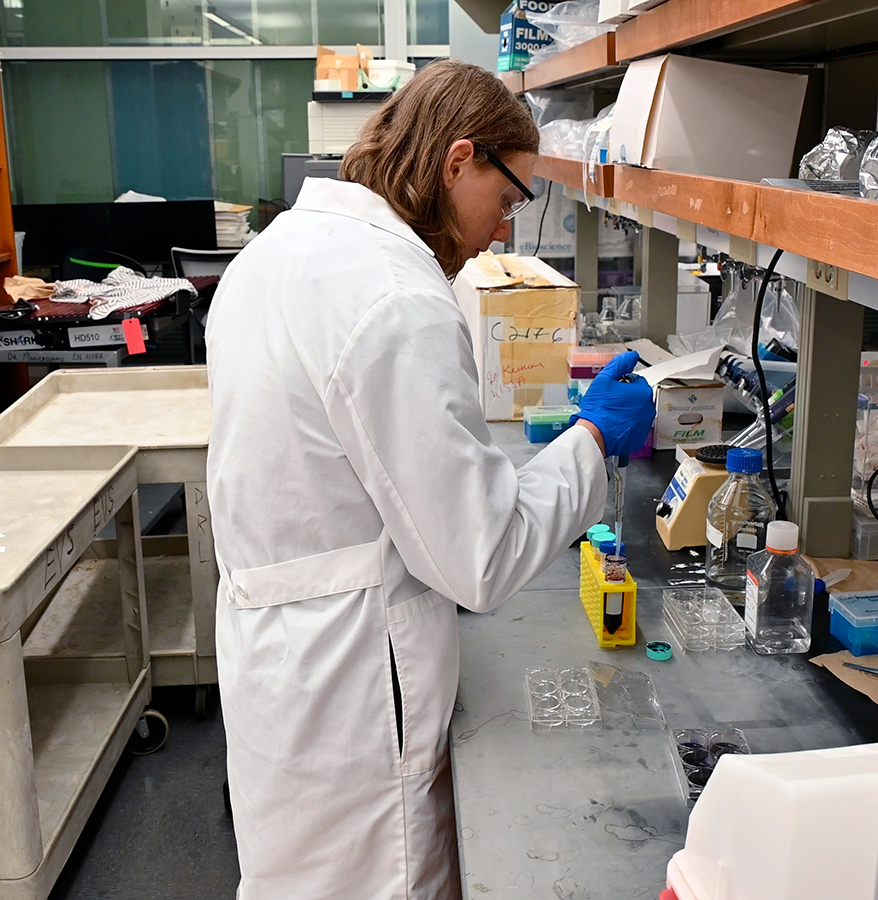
837	157
869	172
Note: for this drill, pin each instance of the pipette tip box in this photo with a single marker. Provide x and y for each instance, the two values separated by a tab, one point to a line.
545	423
853	619
593	591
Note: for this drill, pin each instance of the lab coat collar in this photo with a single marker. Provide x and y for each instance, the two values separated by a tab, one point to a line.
347	198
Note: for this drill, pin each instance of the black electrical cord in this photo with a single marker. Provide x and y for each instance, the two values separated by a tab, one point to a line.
760	374
542	219
869	493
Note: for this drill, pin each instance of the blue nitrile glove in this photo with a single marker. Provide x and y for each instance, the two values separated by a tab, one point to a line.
623	411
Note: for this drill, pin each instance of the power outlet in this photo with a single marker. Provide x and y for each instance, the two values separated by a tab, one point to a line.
828	279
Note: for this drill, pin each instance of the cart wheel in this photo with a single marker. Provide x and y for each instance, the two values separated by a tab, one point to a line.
150	733
202	697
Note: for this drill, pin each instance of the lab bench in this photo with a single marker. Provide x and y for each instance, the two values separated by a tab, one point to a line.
164	412
598	811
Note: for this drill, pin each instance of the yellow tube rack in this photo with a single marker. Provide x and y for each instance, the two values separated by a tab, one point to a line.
593	588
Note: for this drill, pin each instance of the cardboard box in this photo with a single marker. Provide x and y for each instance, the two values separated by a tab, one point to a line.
614	12
518	38
704	117
688	413
344	69
522	317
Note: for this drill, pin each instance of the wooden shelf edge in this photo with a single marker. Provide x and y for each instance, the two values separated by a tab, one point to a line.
5	257
513	80
569	172
830	228
680	22
586	59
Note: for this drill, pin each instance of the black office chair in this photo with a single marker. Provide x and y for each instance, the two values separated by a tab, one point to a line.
94	264
189	263
192	263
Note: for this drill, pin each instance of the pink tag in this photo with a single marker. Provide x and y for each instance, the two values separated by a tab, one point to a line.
133	336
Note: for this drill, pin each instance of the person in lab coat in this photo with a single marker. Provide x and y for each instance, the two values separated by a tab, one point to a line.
357	497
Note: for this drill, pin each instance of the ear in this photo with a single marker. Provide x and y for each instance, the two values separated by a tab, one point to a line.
458	159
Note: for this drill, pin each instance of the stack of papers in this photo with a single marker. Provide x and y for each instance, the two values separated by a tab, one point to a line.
232	227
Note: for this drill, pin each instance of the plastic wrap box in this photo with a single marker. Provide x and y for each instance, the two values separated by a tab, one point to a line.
518	38
688	414
522	317
545	423
705	117
853	619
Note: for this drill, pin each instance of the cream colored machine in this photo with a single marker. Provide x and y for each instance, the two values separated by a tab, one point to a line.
682	512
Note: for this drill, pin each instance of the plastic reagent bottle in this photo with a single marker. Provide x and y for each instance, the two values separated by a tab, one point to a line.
737	516
779	594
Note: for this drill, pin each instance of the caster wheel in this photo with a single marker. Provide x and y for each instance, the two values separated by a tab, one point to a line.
227	799
202	698
150	733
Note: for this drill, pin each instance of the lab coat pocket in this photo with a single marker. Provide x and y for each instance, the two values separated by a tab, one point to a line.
321	575
425	647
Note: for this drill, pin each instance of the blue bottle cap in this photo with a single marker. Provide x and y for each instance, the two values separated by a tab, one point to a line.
745	460
609	547
660	650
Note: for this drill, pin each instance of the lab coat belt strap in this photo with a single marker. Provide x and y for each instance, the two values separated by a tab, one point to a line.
335	572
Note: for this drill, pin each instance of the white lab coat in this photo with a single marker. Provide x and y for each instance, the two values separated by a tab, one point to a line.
357	498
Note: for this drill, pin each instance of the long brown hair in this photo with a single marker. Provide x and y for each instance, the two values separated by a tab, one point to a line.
402	147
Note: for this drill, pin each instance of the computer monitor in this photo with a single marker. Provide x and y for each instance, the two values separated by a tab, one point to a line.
296	167
144	231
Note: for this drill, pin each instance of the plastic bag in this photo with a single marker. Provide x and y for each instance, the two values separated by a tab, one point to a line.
596	142
567	103
564	138
570	23
780	317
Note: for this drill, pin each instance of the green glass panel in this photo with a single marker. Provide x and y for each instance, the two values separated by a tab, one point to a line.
59	132
345	22
50	23
428	21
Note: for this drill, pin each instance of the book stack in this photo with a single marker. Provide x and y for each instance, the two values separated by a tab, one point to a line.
232	227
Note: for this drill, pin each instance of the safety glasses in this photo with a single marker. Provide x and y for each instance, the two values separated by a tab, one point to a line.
514	199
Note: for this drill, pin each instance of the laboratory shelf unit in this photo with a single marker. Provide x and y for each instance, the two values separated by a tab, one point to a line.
61	734
584	62
165	413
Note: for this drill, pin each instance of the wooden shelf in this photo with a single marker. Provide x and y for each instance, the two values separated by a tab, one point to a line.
680	22
513	80
842	231
569	172
582	62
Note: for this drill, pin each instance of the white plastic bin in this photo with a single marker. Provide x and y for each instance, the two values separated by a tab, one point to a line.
784	826
383	71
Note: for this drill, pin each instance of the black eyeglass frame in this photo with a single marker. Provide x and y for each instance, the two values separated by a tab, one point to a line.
494	160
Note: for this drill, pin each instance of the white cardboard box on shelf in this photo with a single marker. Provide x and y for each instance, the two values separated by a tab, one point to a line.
703	117
614	12
522	317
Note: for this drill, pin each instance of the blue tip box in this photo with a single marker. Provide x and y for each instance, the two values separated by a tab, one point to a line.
518	38
853	619
545	423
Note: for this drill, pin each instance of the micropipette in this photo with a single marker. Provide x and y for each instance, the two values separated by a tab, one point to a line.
620	471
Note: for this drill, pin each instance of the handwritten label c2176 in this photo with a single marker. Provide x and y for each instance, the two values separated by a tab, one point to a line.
536	333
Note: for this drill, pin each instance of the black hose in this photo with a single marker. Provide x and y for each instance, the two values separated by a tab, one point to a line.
760	374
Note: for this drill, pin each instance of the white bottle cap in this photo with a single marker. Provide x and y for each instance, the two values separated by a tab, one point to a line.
782	537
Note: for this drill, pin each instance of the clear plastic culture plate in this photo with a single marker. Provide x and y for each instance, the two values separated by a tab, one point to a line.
561	697
702	619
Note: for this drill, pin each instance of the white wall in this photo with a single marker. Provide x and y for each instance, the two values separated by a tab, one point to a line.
467	40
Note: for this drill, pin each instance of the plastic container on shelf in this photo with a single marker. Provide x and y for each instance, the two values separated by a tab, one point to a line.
544	423
779	594
864	535
737	516
853	619
383	73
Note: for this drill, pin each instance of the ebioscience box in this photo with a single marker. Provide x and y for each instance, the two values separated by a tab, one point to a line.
518	38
